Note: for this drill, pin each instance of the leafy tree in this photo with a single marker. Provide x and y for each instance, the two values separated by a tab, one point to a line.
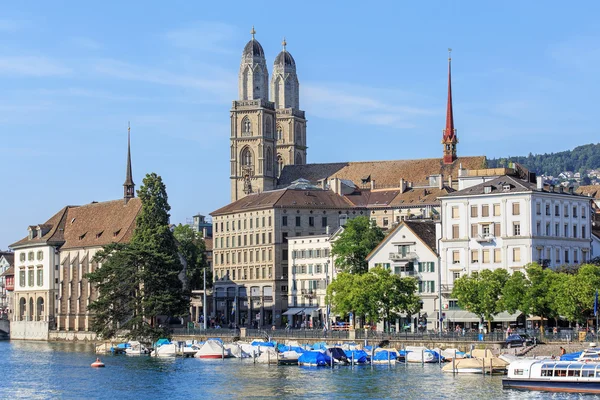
140	280
375	295
359	238
481	293
193	250
514	292
538	299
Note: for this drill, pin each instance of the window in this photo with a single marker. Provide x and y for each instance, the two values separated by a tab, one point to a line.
298	221
574	231
386	221
474	256
22	257
566	256
583	212
583	232
516	208
516	254
283	237
40	277
455	231
473	211
486	256
30	277
311	221
556	210
473	230
246	127
566	211
455	212
556	229
485	210
538	228
22	278
497	255
547	209
485	230
496	210
516	229
284	220
566	230
323	222
487	189
538	208
40	255
455	276
427	266
557	261
456	257
30	256
497	228
574	212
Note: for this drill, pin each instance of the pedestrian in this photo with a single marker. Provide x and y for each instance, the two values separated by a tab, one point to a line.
324	331
562	351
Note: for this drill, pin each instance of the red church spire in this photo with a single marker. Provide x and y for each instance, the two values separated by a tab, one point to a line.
449	139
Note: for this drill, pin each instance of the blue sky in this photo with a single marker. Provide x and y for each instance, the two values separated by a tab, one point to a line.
372	76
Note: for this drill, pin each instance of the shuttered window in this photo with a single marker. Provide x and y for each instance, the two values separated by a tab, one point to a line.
497	255
516	209
486	256
517	254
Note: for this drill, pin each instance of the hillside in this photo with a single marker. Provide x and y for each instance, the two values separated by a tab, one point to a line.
579	159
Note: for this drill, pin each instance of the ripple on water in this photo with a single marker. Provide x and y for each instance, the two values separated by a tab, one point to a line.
41	370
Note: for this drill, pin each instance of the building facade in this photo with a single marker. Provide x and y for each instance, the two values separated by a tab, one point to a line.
6	262
509	222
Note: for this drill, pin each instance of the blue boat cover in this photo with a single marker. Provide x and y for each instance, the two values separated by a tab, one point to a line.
360	356
160	342
320	346
314	358
571	356
383	355
123	346
263	344
216	339
283	347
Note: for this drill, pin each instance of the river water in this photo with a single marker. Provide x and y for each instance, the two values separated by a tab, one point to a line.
41	370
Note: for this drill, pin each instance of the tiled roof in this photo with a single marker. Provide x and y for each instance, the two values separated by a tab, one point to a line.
516	186
95	224
589	190
9	271
384	173
311	172
425	229
393	198
208	243
8	256
98	224
53	236
286	198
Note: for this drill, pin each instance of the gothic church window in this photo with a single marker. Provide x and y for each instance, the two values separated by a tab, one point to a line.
268	127
246	127
279	164
279	132
246	157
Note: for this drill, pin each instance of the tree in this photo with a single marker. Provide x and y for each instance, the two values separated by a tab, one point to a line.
358	239
481	293
375	295
538	299
140	280
192	248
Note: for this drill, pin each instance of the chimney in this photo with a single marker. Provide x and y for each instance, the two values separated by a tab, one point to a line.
327	230
402	185
449	181
441	182
570	189
540	183
560	189
372	184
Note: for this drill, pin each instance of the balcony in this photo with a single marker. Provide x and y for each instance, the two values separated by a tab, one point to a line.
410	256
484	238
447	288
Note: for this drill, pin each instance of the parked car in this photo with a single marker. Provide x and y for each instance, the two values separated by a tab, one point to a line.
519	340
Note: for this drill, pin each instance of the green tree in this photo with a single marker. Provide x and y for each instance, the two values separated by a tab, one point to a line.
393	295
358	239
192	248
514	291
148	270
538	299
481	293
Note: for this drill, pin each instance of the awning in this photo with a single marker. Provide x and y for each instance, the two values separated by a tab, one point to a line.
293	311
465	316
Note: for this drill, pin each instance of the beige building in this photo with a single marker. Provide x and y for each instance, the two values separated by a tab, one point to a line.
250	248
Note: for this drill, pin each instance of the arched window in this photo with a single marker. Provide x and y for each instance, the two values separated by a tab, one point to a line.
246	157
269	160
39	312
268	127
279	164
22	304
279	132
30	313
246	127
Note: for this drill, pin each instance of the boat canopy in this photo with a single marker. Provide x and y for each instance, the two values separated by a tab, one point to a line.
314	358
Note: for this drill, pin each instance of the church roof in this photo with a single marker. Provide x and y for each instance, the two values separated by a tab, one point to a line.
253	49
91	225
287	198
384	173
285	58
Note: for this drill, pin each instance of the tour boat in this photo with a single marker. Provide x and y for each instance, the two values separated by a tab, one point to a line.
98	363
554	376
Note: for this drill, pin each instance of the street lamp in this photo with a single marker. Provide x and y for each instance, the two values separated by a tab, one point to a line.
204	300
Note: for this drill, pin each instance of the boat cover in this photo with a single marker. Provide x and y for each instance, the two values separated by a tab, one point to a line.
382	355
314	358
360	356
211	348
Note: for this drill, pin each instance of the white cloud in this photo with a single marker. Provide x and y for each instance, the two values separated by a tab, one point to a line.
31	66
219	85
364	105
204	35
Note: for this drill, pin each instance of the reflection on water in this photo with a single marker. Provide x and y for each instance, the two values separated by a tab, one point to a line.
40	370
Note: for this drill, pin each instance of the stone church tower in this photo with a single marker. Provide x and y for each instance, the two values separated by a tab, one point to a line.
291	122
253	119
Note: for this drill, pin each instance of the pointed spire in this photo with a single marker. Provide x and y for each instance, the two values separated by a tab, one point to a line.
253	32
449	132
449	139
128	186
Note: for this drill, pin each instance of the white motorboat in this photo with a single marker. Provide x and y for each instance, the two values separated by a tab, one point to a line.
136	349
213	349
491	365
420	354
553	376
165	350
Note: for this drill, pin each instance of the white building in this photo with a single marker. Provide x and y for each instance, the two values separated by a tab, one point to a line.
312	269
409	250
508	223
6	288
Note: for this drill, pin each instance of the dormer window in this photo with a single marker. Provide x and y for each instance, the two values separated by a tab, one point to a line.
81	237
99	234
30	234
116	233
39	232
506	188
487	189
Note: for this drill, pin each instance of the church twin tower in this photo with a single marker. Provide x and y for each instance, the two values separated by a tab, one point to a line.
265	135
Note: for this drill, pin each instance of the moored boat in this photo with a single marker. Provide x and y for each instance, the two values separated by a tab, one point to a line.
135	348
164	348
553	376
213	348
490	365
